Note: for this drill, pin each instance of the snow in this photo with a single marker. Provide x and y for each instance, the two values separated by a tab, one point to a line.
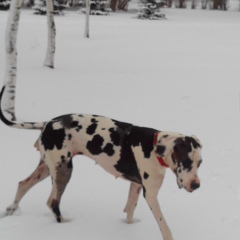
180	74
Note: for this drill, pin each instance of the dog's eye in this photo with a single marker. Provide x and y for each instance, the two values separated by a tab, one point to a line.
187	163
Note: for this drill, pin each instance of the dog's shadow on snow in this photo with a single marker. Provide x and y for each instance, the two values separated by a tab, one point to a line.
66	218
4	214
135	221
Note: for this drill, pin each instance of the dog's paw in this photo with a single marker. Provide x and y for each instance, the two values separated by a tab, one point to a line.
129	220
60	219
11	209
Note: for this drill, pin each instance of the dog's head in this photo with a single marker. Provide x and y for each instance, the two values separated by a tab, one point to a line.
183	155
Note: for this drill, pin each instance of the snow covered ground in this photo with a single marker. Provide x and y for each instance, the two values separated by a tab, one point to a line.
180	74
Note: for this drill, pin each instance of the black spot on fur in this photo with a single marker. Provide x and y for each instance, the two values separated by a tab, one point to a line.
123	127
55	209
63	158
143	137
144	192
69	136
194	143
132	136
95	146
67	121
199	163
78	128
160	150
173	159
145	175
70	165
93	120
181	150
108	149
52	137
187	164
115	136
74	124
91	129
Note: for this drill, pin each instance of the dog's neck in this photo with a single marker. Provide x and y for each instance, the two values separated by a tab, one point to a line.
160	159
162	162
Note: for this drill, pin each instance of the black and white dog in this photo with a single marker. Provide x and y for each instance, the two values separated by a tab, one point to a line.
138	154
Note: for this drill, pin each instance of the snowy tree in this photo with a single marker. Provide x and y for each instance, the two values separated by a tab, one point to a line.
169	3
49	59
119	5
150	9
180	4
40	7
219	4
11	53
194	4
11	59
86	34
98	7
4	4
204	4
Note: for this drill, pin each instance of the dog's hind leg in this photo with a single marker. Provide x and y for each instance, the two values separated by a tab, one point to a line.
61	175
133	196
38	175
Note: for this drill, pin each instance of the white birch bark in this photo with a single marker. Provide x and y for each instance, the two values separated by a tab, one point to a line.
49	59
87	19
11	59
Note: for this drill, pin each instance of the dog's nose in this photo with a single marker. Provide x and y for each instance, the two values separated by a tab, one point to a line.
195	185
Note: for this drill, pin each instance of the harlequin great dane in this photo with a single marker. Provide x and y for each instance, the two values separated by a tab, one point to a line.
138	154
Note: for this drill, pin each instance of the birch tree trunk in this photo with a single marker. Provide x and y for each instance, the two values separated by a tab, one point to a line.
87	19
11	59
49	59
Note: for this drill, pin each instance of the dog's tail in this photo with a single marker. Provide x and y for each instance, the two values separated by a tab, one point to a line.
20	125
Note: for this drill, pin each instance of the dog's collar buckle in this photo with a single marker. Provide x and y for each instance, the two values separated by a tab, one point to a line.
160	159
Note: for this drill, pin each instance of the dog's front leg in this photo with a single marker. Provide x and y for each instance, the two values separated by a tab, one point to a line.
151	188
133	196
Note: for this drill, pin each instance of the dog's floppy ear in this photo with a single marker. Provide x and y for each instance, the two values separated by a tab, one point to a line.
165	144
197	140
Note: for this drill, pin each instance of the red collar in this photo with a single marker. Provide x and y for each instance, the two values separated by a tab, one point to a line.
160	159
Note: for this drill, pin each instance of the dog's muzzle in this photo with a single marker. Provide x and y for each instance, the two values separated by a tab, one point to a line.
194	185
190	187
